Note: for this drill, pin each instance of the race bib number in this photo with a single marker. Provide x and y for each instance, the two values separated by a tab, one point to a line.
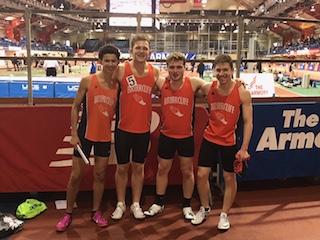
131	80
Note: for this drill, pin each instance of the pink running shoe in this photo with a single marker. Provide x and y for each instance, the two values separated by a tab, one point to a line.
64	223
99	220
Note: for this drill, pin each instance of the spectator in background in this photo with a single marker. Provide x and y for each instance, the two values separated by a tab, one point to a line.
259	66
51	67
200	69
15	63
291	70
279	77
245	66
193	63
93	67
36	61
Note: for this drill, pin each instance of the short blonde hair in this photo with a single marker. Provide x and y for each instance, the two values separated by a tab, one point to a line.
140	37
176	56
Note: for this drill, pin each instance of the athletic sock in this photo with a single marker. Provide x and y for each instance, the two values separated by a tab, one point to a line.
92	213
159	200
70	214
186	202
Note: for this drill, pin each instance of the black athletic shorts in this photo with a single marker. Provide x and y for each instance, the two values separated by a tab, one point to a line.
100	149
51	72
210	152
137	142
168	146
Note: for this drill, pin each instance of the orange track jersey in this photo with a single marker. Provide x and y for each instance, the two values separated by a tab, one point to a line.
135	103
98	111
224	115
177	110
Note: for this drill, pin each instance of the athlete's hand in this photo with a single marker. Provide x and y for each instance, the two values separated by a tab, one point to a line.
74	141
240	82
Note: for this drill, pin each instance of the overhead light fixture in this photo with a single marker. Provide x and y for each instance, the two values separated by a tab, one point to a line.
61	6
268	29
275	25
91	4
312	9
86	1
55	26
22	19
297	15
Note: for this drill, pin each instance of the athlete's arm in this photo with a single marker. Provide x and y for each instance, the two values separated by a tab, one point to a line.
203	90
240	82
247	120
118	73
196	83
158	86
157	81
83	88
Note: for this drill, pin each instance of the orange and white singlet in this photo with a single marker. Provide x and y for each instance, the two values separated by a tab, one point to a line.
224	115
177	110
135	105
98	111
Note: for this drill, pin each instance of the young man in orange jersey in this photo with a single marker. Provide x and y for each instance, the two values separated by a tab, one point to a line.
97	94
136	79
224	100
176	134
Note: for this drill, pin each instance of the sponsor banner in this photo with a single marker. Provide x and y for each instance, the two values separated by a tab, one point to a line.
259	84
37	155
285	142
164	55
65	89
39	89
4	89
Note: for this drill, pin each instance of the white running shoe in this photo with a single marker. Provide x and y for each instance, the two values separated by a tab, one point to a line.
200	216
119	211
188	213
154	210
137	211
224	223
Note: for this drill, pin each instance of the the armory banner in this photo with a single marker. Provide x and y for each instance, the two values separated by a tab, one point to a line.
285	141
